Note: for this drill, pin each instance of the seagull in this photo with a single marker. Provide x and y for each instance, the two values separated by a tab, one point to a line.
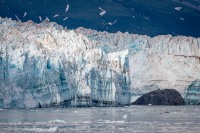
182	18
17	18
178	8
40	18
103	12
109	23
56	15
25	13
114	22
47	19
65	18
67	8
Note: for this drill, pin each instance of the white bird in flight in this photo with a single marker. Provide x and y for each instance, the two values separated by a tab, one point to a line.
40	18
178	8
56	15
109	23
65	18
112	23
103	12
67	8
17	18
25	13
47	19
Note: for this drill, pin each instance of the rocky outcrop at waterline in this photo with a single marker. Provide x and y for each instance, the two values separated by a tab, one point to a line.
161	97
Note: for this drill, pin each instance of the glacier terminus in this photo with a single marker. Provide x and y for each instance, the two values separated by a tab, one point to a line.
46	65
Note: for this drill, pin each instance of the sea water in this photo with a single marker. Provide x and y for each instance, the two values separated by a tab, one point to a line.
136	119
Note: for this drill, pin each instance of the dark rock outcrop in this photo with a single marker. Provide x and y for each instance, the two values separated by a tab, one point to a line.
161	97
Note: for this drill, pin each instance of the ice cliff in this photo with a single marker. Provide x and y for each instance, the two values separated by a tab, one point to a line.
162	62
47	65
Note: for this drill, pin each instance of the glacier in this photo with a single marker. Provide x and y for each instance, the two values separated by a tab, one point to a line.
48	65
193	93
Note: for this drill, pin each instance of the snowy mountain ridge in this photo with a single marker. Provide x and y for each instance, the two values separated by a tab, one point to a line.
47	65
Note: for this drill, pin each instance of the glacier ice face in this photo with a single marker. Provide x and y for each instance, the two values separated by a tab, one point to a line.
162	62
193	93
46	64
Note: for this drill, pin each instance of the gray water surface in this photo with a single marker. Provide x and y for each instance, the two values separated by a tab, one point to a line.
138	119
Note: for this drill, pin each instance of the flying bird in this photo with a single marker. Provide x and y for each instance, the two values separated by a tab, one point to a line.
178	8
47	19
17	18
65	18
103	12
109	23
112	23
67	8
40	18
56	15
25	13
